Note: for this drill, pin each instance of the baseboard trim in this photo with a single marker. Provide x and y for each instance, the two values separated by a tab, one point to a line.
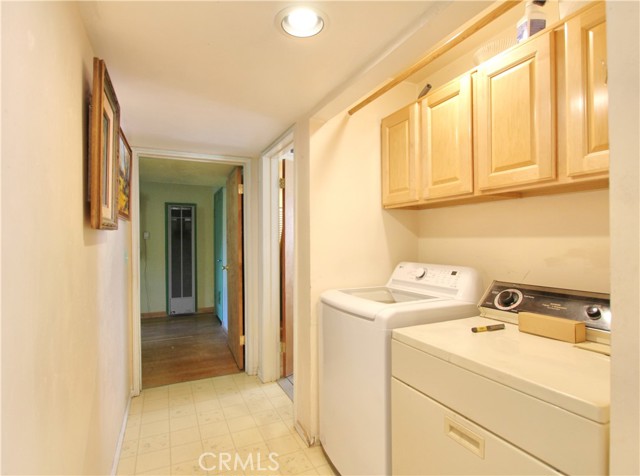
308	440
123	429
151	315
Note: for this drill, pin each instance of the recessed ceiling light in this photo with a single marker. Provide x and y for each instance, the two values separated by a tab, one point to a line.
301	22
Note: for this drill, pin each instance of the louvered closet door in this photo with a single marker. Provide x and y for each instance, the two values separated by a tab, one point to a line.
181	259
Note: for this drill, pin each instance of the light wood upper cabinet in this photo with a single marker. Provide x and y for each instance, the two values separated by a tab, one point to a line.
532	120
586	126
447	152
515	117
400	149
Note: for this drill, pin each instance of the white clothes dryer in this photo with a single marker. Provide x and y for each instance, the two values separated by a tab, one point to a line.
355	353
503	402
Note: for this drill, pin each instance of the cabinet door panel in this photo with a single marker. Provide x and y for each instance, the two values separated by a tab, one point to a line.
515	124
587	123
399	157
446	137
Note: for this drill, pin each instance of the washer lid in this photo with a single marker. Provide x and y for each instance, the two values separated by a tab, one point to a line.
387	295
368	303
555	372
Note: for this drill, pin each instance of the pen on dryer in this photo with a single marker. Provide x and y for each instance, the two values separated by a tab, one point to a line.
494	327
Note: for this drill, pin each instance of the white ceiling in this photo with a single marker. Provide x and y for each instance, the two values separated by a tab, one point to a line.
220	77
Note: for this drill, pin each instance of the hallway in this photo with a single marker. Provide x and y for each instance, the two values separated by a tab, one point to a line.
184	348
170	427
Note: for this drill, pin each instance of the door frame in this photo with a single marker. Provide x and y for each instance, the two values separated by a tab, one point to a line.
252	261
270	255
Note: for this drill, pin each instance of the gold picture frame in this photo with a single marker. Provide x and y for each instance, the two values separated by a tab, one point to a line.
103	150
124	178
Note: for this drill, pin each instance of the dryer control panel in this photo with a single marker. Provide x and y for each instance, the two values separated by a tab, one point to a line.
591	308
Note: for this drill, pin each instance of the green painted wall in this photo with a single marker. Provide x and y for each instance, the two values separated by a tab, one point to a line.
153	197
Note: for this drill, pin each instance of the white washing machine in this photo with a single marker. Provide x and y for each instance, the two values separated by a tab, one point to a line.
355	353
504	402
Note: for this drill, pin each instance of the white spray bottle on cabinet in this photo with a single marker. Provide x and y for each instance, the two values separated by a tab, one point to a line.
533	21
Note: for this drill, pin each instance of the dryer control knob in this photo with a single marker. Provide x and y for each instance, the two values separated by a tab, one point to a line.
419	273
594	312
508	299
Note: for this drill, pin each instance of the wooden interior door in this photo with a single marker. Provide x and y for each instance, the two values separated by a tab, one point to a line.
286	268
235	266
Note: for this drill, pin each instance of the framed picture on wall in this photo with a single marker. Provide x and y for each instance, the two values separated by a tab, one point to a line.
103	150
124	177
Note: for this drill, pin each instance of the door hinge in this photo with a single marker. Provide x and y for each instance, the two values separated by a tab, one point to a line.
241	340
240	189
283	347
281	183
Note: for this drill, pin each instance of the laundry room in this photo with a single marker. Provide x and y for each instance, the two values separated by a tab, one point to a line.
559	239
548	240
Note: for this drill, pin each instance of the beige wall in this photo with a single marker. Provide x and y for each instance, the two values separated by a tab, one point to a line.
344	237
153	197
65	288
624	123
354	241
305	412
556	240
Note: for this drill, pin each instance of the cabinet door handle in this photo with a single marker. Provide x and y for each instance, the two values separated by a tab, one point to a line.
464	437
605	72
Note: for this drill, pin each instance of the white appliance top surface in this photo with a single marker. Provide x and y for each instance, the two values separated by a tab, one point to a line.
415	293
417	282
556	372
386	295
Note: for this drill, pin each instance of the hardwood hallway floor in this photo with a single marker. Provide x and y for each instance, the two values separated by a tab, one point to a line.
183	348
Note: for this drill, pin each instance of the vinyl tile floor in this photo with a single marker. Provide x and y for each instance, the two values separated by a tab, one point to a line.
232	425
